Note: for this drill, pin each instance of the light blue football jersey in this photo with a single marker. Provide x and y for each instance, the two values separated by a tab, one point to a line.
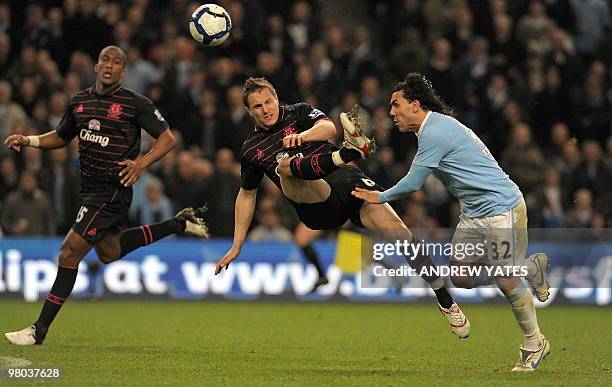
465	166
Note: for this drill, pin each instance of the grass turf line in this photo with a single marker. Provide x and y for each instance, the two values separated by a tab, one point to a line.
196	343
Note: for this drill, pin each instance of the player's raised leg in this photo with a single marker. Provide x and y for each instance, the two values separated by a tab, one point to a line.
382	219
188	221
356	146
73	249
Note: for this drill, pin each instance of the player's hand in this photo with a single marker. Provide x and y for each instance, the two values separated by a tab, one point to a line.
16	141
293	140
367	195
225	261
131	172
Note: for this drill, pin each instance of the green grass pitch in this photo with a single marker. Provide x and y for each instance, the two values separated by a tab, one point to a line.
239	343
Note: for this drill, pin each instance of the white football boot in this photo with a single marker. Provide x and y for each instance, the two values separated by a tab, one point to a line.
537	265
459	323
194	222
352	123
25	336
530	360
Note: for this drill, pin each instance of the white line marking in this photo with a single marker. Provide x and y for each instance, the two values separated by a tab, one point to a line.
7	361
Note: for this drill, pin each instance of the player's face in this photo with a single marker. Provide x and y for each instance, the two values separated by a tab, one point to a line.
404	112
110	67
263	107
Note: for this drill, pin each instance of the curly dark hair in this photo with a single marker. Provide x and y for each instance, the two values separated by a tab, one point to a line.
252	85
417	87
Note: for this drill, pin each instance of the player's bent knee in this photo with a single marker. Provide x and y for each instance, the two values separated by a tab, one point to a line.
68	256
107	258
284	168
463	282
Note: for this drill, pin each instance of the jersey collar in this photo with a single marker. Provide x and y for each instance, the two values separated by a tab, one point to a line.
108	93
423	124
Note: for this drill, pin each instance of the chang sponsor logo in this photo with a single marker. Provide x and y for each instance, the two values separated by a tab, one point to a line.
88	135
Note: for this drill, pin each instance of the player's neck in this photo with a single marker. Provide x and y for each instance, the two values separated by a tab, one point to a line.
421	115
100	88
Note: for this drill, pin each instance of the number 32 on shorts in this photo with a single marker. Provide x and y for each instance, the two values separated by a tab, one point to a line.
81	214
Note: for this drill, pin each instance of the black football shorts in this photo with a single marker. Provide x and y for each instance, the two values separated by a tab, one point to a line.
341	205
104	208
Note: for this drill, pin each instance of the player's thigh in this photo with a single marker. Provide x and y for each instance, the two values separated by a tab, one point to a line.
305	191
73	249
108	248
508	237
384	221
304	236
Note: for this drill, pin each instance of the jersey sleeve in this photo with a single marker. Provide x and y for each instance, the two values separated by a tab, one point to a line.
250	175
434	144
67	128
148	117
307	116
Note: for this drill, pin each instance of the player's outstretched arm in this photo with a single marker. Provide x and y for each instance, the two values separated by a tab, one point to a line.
133	168
49	140
322	130
243	215
413	181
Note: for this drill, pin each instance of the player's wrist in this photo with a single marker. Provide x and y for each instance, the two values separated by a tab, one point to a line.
33	141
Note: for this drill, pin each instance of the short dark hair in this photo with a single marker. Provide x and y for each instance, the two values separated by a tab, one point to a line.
252	85
417	87
121	54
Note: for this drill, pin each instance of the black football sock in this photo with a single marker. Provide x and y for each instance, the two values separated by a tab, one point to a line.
133	238
437	284
349	155
312	167
444	298
62	287
312	257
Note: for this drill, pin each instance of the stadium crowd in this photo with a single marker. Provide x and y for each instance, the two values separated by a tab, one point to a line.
531	78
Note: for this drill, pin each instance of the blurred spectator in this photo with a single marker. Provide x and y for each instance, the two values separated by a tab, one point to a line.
440	72
62	181
236	123
269	228
581	214
28	210
11	113
593	173
32	159
408	55
371	94
551	104
56	46
463	31
592	21
140	73
522	159
226	183
546	205
5	53
9	176
156	206
187	190
531	27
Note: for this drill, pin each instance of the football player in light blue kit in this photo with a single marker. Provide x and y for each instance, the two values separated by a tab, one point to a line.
492	206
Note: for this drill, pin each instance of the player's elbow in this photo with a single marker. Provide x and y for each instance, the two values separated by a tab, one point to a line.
171	138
